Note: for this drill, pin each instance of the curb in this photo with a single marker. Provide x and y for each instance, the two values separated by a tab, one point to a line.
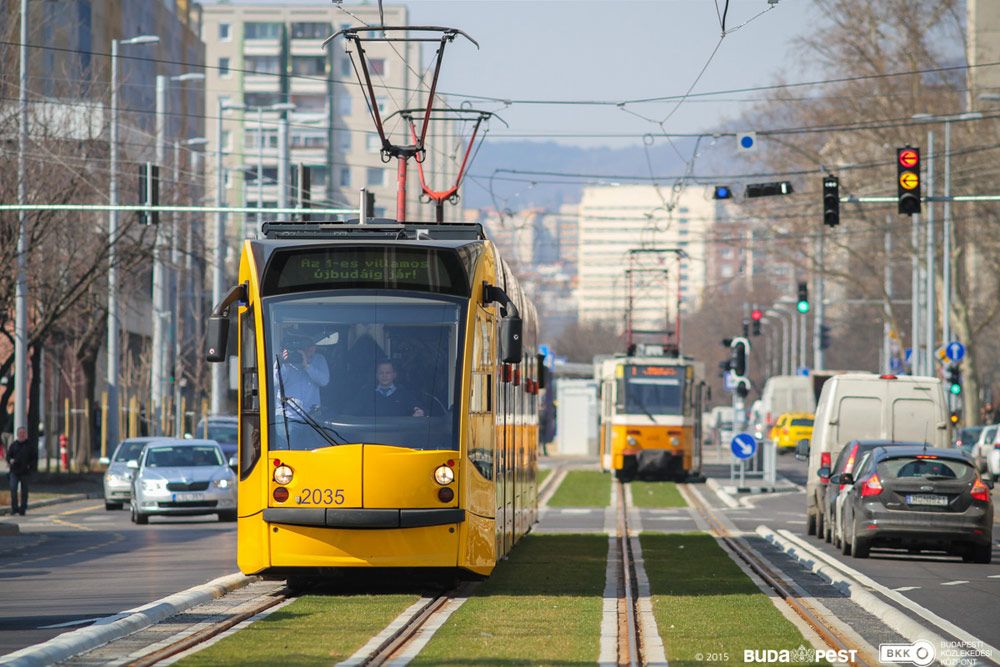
722	494
4	511
117	626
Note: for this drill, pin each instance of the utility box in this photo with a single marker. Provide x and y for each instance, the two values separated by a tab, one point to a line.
576	417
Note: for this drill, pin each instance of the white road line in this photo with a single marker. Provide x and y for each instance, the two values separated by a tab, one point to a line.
608	652
993	576
901	589
577	510
364	653
426	632
653	652
954	583
911	606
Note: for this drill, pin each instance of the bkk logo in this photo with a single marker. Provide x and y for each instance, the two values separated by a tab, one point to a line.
920	653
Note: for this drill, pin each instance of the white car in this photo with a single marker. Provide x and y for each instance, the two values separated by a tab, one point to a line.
993	462
183	478
985	443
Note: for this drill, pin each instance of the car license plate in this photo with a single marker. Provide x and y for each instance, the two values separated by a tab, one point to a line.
188	496
937	501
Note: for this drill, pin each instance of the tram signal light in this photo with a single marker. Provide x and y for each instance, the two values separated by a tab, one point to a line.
739	351
955	379
756	315
908	179
742	387
768	189
756	327
831	201
802	304
824	337
722	192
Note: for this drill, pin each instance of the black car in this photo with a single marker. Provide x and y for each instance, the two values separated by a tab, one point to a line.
918	498
849	457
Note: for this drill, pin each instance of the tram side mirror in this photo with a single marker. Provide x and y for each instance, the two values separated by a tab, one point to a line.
510	339
217	339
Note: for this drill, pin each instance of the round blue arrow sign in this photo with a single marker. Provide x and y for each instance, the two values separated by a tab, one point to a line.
743	445
955	351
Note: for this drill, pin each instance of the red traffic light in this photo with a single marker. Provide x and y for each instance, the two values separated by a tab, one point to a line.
908	158
756	315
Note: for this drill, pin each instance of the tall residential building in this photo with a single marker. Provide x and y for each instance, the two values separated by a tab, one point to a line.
265	54
982	48
616	220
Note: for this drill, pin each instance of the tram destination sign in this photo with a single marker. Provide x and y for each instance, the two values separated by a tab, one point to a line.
379	267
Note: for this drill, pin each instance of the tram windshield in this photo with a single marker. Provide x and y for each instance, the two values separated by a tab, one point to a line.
372	368
651	390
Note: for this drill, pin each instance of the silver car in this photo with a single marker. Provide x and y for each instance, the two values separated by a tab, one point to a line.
181	477
118	477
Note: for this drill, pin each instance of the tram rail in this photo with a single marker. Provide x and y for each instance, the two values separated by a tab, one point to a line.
630	639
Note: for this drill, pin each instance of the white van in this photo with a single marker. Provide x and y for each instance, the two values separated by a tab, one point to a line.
865	406
785	393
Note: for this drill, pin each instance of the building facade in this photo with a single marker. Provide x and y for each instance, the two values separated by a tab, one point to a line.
260	55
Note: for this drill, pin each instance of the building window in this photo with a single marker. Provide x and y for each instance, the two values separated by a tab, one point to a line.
380	103
270	138
224	32
344	104
262	64
343	140
345	177
318	175
261	99
309	139
373	143
726	253
308	65
727	271
346	66
255	30
311	30
309	103
377	67
226	137
376	176
223	66
270	177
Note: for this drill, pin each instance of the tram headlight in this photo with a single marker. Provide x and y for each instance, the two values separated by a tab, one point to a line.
444	475
674	440
632	442
282	474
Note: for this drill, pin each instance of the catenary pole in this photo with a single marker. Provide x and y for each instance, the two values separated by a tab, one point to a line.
157	379
21	289
946	240
929	287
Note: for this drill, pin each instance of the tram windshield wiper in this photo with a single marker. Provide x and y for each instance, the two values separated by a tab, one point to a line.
646	410
327	433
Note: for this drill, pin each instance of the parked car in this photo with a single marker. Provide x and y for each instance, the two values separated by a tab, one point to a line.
986	442
918	498
993	463
224	429
791	429
865	406
118	476
849	460
184	477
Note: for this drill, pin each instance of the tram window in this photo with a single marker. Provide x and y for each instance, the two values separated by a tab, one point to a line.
651	390
393	368
250	404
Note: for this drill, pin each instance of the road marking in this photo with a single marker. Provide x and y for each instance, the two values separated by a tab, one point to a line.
796	522
89	508
902	589
69	624
576	510
993	576
954	583
60	522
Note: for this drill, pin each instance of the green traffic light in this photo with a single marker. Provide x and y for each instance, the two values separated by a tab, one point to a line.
956	388
802	306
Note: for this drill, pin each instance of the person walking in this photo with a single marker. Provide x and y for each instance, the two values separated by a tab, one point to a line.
22	457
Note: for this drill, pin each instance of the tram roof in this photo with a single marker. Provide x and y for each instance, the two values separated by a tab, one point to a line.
448	235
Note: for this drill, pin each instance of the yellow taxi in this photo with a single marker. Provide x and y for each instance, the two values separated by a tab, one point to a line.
790	428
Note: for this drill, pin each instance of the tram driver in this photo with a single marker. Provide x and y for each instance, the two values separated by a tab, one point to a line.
390	399
300	372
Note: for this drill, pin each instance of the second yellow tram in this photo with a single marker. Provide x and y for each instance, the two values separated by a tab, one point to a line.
651	416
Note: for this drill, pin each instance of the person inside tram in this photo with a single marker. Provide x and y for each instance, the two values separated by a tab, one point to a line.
300	372
390	399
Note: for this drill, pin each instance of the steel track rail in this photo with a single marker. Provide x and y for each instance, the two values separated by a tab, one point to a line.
629	638
190	641
816	619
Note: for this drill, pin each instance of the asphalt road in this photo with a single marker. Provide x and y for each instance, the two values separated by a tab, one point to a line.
967	594
76	562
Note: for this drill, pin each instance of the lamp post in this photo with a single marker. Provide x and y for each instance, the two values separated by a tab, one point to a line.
786	356
219	252
21	290
282	180
113	319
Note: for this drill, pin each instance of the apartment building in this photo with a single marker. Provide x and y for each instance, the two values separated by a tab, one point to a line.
628	226
261	55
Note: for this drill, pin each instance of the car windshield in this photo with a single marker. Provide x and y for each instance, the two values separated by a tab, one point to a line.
374	368
909	467
657	390
129	451
183	456
802	422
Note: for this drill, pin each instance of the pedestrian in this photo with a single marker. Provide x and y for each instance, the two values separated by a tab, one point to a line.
22	457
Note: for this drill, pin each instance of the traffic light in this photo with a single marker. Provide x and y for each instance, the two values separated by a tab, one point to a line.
742	388
722	192
955	379
756	315
802	304
149	192
740	350
824	337
908	179
831	201
768	189
954	417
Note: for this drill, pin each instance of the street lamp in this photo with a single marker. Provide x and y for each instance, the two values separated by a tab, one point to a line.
219	252
113	319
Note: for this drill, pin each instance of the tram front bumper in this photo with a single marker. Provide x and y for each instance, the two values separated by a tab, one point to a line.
364	518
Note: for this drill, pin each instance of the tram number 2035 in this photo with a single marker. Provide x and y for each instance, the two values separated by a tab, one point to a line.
321	497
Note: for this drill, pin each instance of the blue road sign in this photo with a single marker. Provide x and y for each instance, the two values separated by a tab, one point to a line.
955	351
802	370
908	355
895	364
743	445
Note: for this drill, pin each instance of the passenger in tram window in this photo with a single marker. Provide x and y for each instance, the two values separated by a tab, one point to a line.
300	371
391	400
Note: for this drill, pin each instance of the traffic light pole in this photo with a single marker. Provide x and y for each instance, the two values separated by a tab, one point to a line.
915	366
818	318
929	288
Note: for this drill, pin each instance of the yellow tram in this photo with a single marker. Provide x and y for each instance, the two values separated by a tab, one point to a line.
651	416
388	399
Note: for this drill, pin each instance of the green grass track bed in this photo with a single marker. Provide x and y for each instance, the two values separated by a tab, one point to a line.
707	610
583	488
542	606
649	495
313	630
